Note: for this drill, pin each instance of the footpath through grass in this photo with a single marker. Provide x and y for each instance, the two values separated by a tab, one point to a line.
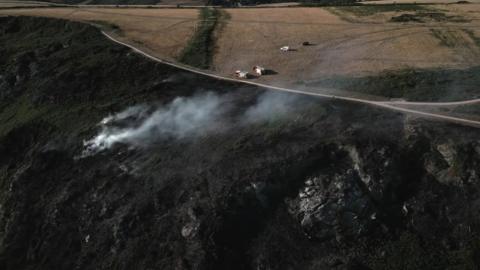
199	50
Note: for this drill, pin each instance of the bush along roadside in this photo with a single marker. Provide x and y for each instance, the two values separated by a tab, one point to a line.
199	50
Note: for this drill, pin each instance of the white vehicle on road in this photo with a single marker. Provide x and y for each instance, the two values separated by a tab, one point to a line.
259	70
241	74
384	104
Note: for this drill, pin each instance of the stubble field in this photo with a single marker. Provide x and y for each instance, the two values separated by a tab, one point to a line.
346	44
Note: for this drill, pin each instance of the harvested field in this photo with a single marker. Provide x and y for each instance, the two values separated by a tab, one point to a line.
342	42
163	31
339	47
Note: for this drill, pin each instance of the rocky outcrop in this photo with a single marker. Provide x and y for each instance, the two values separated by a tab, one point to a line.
316	187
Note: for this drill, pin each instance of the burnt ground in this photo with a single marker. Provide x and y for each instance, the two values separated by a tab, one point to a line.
320	185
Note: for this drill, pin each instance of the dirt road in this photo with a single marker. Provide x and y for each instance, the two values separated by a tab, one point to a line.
162	33
387	105
450	103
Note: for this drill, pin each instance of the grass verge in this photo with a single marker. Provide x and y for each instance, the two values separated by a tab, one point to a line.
199	50
446	38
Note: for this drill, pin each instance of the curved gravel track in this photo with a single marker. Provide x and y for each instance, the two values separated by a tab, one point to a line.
384	104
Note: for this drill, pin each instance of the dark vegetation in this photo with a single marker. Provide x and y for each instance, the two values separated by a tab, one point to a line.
422	17
447	38
412	84
368	10
471	109
472	35
407	18
330	185
199	50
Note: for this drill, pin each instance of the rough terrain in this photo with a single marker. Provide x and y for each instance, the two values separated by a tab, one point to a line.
379	45
302	183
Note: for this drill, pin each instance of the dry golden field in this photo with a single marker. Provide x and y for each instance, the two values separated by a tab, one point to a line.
163	31
345	42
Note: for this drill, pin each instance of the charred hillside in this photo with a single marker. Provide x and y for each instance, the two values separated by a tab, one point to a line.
111	161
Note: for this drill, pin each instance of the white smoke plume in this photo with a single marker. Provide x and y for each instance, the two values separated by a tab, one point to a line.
139	126
137	111
271	106
181	118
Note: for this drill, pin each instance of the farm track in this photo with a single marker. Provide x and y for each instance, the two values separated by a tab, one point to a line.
388	105
334	44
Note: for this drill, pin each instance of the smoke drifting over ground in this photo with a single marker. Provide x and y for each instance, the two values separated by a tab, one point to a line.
141	125
184	117
271	105
135	111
